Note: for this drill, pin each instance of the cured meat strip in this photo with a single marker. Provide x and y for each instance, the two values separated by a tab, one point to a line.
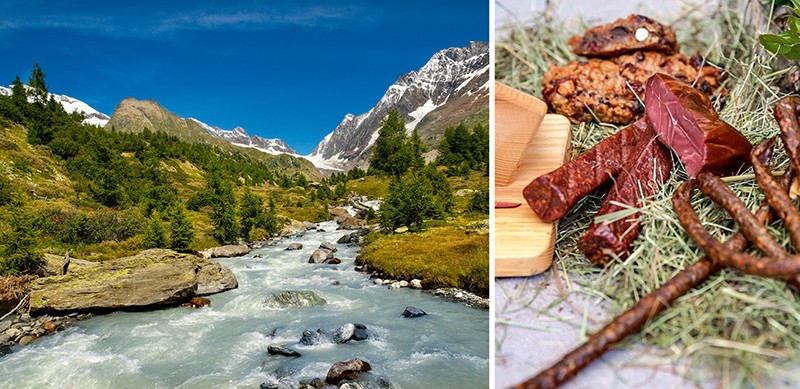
636	32
550	196
640	178
686	122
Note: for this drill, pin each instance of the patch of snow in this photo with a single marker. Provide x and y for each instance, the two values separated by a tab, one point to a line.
420	113
71	104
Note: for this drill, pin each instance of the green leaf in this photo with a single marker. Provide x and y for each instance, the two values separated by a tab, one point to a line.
772	43
794	53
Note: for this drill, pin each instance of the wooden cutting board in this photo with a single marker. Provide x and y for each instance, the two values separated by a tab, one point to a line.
523	243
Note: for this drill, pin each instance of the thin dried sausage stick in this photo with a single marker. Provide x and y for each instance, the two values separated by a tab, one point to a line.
552	195
755	232
786	112
774	267
633	319
777	197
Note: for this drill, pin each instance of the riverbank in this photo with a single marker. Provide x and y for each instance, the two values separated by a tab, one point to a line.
448	256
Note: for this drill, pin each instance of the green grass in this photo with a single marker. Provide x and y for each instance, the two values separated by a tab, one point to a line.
741	327
441	257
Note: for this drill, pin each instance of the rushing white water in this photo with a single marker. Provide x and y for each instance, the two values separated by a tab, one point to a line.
225	345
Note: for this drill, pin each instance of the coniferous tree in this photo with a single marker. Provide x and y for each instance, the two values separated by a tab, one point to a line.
181	229
391	154
38	87
155	237
250	212
417	149
223	209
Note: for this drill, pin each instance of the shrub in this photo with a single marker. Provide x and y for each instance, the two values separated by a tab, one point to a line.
19	253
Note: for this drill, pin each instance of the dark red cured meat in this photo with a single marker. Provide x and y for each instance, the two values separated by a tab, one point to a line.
686	122
640	178
619	37
554	193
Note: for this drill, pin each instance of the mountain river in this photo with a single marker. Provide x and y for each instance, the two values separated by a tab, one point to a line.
225	345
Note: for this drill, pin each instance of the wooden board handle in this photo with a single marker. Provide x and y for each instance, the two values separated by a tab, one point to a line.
517	117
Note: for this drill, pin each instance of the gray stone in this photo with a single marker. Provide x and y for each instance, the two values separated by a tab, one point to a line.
319	256
416	284
394	285
333	261
404	284
328	246
378	281
4	325
284	351
344	333
360	334
214	277
4	338
312	338
293	298
310	225
227	251
413	312
401	230
294	246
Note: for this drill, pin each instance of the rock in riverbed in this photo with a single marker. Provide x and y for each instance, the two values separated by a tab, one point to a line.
231	250
150	278
284	351
413	312
341	371
294	298
294	246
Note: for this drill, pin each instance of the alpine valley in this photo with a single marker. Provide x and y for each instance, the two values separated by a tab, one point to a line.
451	88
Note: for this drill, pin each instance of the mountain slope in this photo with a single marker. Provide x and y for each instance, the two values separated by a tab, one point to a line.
135	115
453	86
70	104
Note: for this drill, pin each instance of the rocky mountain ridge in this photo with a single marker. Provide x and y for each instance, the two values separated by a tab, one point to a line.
452	85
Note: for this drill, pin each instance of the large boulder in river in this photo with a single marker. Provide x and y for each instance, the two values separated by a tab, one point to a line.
320	256
294	246
214	277
294	228
294	298
413	312
150	278
227	251
347	370
355	237
328	246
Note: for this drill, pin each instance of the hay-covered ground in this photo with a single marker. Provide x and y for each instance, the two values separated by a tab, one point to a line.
731	331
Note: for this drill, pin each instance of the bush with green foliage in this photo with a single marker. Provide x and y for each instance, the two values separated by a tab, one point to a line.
415	196
462	149
6	190
480	201
19	253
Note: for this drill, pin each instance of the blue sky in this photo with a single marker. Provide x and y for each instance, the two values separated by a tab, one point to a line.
285	69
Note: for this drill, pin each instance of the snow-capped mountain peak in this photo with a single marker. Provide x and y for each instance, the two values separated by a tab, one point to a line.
239	137
70	104
452	77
